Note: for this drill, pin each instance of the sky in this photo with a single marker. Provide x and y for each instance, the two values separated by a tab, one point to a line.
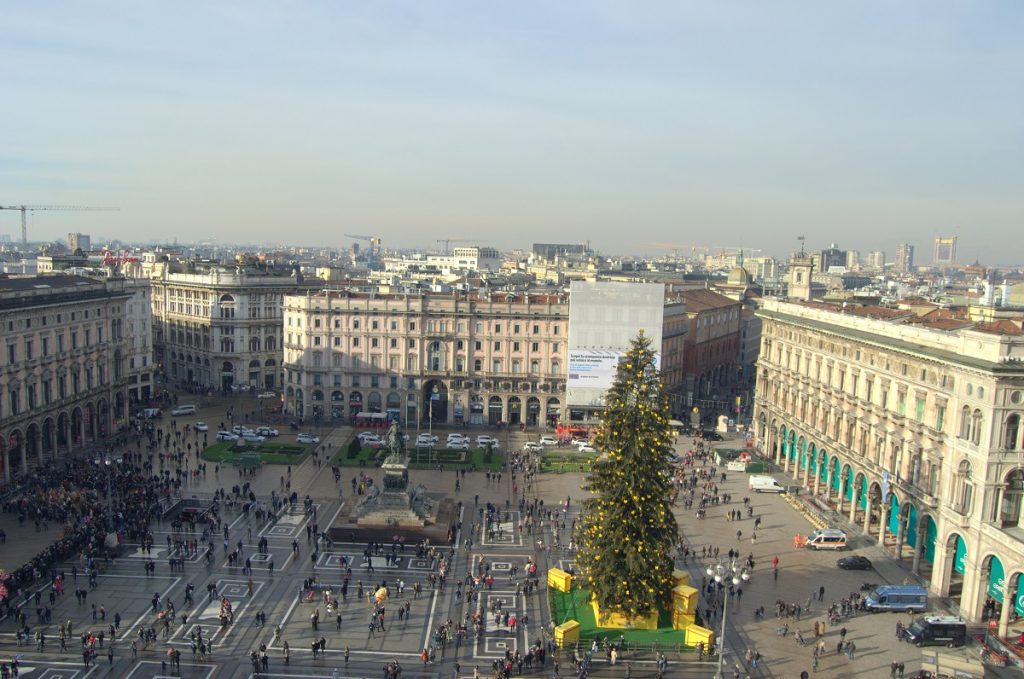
637	126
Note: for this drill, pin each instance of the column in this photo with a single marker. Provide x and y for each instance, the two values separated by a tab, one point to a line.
39	446
915	567
853	506
817	478
901	531
883	518
81	429
67	434
867	515
1009	597
24	456
785	456
6	462
828	483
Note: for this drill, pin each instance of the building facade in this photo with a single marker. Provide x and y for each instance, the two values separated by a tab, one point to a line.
944	251
912	433
64	381
221	330
79	241
711	349
904	258
139	336
440	358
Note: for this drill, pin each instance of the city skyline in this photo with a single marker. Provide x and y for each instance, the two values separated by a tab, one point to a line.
667	124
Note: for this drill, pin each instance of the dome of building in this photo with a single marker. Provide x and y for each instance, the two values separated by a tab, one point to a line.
739	276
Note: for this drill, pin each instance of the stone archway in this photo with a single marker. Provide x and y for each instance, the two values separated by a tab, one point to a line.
49	437
953	567
990	587
1011	593
495	410
515	410
14	460
435	401
77	427
533	411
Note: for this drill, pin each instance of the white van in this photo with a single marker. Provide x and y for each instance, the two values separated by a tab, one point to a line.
826	538
148	414
760	483
183	410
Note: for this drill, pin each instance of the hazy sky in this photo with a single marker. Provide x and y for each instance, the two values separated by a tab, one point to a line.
628	124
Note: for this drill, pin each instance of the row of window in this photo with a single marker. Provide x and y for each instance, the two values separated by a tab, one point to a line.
44	320
35	346
442	326
434	363
434	347
26	398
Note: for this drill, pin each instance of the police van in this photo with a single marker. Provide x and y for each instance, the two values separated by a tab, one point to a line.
935	630
909	598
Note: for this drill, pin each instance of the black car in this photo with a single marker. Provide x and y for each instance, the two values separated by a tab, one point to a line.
854	563
710	435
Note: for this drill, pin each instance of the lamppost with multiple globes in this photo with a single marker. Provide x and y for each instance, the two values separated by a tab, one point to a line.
727	575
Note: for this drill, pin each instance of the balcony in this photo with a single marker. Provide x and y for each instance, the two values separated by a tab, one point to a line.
919	494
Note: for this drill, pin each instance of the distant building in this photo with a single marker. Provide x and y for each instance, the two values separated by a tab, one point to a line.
762	268
904	257
222	329
944	253
553	250
830	257
852	260
57	263
79	241
875	260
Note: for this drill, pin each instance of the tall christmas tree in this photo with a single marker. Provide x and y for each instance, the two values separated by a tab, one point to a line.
628	530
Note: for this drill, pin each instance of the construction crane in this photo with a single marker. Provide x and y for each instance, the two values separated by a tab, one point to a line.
32	208
448	241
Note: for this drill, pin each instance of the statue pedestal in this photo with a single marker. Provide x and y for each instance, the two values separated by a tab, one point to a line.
393	512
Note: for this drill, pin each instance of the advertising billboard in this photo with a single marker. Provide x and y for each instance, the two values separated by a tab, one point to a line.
592	368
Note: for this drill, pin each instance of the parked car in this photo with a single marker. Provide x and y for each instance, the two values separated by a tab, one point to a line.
580	442
226	436
372	441
532	446
854	563
252	437
267	431
484	440
457	438
307	438
240	429
548	441
267	394
588	449
200	426
425	441
711	435
457	445
363	435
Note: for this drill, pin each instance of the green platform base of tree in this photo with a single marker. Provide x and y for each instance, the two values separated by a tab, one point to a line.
575	605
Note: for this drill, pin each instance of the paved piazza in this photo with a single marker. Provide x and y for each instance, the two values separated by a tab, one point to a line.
504	552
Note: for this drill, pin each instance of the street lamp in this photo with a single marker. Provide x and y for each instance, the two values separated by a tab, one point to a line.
729	574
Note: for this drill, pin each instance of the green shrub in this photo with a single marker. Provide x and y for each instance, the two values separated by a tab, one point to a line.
353	449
